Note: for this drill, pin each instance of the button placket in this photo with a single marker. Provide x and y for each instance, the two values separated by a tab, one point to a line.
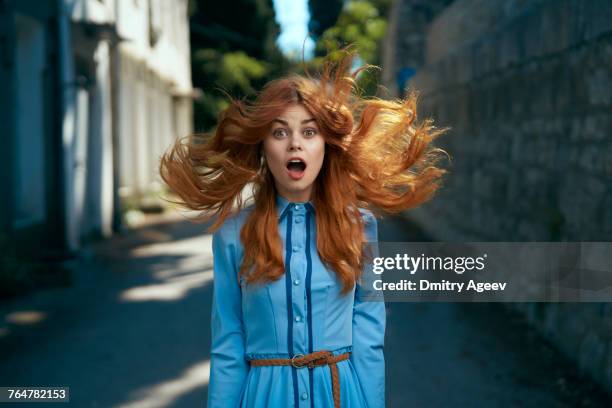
298	271
299	265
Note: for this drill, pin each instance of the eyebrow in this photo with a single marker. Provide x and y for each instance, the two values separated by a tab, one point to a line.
284	122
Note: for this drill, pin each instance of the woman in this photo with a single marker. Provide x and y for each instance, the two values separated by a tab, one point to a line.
290	323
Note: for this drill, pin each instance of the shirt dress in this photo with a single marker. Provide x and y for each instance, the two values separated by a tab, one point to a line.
302	312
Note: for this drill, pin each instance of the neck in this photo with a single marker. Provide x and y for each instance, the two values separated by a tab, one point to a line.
296	196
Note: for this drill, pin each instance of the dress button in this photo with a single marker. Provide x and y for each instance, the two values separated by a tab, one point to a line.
304	396
296	248
298	319
298	207
298	219
296	282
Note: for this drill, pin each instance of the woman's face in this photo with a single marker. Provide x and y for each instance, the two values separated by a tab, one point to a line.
294	150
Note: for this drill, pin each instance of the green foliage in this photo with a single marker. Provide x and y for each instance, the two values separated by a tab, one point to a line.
362	24
233	52
359	24
236	52
233	70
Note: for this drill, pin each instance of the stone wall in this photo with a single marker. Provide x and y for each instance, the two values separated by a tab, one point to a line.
526	87
404	45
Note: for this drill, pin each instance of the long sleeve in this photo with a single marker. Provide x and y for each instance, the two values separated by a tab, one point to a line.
228	367
369	321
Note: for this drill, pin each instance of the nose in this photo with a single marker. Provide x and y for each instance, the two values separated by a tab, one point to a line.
295	143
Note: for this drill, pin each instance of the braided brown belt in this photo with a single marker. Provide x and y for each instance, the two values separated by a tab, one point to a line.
315	359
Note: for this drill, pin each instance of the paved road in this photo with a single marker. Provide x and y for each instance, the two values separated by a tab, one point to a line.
134	331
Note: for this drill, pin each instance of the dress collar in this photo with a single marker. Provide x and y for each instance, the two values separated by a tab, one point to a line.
283	205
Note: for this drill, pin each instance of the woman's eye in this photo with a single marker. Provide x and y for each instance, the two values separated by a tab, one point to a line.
310	132
279	132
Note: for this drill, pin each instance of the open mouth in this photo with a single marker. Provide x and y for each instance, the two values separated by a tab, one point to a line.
296	168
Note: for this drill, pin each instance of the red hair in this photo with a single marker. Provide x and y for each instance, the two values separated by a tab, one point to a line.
377	157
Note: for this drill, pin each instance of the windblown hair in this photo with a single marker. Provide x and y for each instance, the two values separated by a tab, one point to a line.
377	157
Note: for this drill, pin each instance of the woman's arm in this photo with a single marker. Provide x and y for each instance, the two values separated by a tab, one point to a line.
369	320
228	367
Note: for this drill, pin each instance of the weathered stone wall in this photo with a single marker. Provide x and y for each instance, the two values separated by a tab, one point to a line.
526	87
529	103
404	45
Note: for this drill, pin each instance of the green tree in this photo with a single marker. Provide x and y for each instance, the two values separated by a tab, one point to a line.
234	50
363	24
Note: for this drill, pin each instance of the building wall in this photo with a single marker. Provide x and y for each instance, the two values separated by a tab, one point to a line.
29	215
29	198
95	91
138	75
154	88
527	88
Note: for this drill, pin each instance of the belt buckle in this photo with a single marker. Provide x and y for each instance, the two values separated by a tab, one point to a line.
293	361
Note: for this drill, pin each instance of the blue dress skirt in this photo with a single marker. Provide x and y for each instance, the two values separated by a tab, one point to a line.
300	313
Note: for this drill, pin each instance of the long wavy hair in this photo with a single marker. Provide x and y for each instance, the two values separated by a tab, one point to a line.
378	157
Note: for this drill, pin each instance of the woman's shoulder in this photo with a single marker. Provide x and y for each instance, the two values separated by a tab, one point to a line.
230	229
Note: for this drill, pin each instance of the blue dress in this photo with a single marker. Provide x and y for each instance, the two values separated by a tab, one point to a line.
300	313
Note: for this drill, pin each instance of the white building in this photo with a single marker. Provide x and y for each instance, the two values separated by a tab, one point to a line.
96	90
